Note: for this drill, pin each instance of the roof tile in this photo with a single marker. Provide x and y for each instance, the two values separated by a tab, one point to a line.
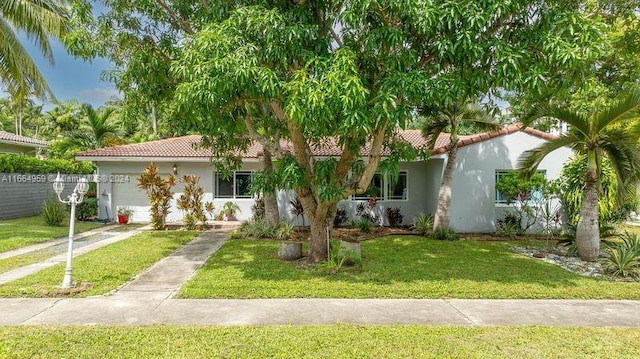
186	146
10	137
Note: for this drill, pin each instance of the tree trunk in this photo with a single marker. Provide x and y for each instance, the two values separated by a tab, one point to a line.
271	213
318	240
443	212
154	119
588	229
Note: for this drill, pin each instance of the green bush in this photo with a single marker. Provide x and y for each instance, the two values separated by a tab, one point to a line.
87	210
284	231
18	163
363	224
445	234
52	212
623	259
570	187
423	223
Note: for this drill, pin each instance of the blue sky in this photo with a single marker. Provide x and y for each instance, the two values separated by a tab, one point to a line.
72	78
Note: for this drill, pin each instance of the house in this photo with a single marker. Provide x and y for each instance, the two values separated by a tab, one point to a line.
475	205
11	143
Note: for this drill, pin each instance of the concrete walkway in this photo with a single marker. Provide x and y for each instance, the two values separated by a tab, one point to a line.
112	311
164	278
61	258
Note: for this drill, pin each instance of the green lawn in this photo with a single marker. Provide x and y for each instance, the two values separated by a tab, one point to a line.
335	341
21	232
106	268
397	267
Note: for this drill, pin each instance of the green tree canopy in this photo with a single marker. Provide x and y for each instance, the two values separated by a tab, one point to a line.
40	20
333	72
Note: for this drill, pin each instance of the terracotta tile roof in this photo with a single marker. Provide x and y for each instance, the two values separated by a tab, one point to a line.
7	137
183	147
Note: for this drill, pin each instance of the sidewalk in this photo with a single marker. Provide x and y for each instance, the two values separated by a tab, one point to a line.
112	311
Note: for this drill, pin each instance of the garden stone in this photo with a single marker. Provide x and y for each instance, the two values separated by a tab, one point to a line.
290	251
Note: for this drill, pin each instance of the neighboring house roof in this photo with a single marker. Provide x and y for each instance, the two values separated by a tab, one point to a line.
6	137
186	146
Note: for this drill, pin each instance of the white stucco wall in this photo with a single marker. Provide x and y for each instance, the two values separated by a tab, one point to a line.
110	173
473	207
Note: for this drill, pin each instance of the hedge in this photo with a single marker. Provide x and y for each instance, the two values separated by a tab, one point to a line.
18	163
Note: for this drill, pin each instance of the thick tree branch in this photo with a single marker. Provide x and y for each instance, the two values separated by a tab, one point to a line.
184	25
268	144
375	157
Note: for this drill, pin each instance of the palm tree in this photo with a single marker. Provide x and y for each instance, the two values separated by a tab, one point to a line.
98	127
612	132
39	20
450	119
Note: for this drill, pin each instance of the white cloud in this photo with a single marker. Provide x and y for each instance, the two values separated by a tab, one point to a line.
98	95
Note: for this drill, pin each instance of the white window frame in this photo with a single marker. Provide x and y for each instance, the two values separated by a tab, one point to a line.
385	190
234	185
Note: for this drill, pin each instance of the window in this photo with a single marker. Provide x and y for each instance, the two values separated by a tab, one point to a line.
243	185
501	198
398	190
236	186
382	188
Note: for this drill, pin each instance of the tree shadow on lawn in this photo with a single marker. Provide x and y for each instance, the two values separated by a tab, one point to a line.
390	260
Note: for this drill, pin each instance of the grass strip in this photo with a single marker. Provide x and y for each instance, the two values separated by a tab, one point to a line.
106	268
397	267
21	232
336	341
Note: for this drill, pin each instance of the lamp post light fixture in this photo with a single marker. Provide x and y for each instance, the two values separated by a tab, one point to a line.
74	199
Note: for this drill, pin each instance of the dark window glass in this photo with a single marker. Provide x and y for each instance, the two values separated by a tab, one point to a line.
398	189
243	184
224	187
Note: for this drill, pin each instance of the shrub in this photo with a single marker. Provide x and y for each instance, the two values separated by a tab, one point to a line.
257	229
159	194
340	219
284	231
190	201
623	259
18	163
394	217
510	225
297	209
423	223
87	210
445	234
52	212
364	210
364	225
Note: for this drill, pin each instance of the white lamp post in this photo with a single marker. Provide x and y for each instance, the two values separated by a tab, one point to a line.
75	198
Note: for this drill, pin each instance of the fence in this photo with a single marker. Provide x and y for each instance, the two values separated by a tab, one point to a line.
22	195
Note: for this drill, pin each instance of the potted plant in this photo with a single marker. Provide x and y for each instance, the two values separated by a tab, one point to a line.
210	208
229	209
123	214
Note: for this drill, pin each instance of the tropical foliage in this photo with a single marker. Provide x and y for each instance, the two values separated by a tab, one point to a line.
610	132
159	193
40	20
570	188
449	119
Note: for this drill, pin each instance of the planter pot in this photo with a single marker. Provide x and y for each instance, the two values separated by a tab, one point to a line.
230	217
123	219
350	248
290	251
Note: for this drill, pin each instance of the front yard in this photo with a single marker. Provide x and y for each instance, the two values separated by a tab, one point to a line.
331	341
21	232
397	267
105	269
